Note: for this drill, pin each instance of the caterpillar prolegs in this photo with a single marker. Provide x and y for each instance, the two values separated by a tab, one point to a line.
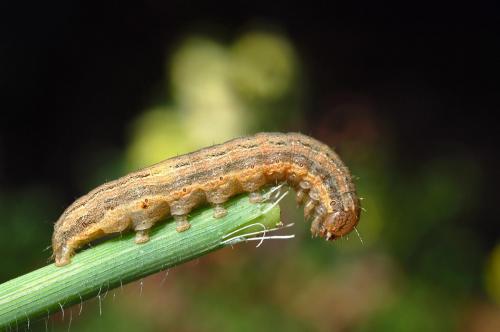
212	175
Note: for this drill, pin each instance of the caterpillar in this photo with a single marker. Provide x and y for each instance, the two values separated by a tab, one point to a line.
212	175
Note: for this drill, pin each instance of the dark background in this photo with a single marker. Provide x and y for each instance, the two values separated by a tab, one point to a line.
73	75
72	72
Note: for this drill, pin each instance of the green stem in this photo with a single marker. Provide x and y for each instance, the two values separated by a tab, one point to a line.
120	260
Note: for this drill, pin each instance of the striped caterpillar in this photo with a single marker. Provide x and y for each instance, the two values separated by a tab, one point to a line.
212	175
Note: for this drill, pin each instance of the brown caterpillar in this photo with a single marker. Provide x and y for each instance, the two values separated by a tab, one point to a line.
177	185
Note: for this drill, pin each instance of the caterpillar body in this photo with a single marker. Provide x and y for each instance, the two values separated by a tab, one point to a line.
212	175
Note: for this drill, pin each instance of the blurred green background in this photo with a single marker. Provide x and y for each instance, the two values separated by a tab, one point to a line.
93	93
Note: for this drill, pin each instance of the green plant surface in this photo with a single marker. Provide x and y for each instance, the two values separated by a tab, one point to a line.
118	261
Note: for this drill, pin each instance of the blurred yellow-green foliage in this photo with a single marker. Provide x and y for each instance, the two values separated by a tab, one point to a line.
415	265
219	92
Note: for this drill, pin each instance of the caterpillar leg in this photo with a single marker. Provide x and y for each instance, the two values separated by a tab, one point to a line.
255	197
219	211
300	196
182	223
142	236
302	191
309	208
141	227
63	256
316	226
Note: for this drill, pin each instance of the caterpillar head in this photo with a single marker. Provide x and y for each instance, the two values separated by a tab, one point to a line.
339	223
